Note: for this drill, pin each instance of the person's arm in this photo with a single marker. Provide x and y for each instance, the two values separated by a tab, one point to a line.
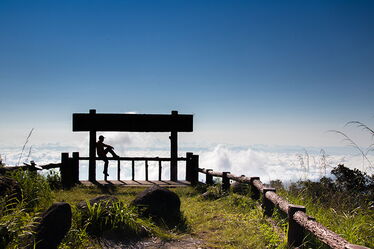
107	145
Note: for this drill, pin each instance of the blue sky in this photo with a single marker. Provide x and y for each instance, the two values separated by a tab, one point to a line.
252	72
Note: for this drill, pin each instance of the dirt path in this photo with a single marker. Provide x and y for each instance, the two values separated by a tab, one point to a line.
154	243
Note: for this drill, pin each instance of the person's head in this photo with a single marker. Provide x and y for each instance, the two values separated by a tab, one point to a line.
101	138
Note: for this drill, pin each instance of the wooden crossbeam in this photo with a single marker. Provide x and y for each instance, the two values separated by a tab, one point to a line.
132	122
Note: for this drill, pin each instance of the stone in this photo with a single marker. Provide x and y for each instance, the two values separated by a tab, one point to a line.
53	226
10	189
161	204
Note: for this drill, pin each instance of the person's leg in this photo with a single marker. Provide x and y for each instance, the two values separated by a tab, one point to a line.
106	163
111	152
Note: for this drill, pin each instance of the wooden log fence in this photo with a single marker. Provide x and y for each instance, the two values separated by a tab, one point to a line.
298	220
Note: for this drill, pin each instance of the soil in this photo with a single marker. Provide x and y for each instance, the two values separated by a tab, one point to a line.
186	242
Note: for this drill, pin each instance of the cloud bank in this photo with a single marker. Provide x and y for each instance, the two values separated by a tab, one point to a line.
268	165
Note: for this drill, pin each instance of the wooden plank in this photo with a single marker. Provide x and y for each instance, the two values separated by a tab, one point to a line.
132	122
131	183
166	159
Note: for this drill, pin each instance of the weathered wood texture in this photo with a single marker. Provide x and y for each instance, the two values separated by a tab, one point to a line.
322	233
278	201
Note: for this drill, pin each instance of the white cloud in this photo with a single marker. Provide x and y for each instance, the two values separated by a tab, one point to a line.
268	165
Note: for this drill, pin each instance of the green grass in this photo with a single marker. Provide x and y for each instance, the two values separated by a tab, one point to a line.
221	220
356	225
232	221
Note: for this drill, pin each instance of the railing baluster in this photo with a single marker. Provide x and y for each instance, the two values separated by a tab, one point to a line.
209	178
133	169
225	181
159	170
119	170
146	170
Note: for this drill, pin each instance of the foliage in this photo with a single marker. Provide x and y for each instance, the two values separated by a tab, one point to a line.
16	224
350	189
18	218
277	184
114	216
36	192
214	192
342	204
353	181
228	220
54	180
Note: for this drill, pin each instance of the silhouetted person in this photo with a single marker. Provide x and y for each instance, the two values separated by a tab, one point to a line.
103	149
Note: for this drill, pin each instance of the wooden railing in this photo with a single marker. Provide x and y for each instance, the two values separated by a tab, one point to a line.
298	220
70	166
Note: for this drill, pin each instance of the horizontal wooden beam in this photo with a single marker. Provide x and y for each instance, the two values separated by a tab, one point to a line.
325	235
136	158
132	122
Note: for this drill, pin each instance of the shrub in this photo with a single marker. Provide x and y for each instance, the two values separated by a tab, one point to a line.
214	192
114	216
54	180
36	192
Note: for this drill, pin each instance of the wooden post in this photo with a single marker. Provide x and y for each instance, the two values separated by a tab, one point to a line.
119	170
225	181
133	170
146	170
159	170
188	166
267	205
174	152
75	167
255	193
209	178
64	170
295	231
194	170
92	153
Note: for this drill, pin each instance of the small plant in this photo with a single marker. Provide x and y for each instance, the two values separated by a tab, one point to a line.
54	180
115	216
214	192
242	202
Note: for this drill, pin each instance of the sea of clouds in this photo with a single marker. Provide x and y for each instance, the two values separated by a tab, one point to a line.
287	163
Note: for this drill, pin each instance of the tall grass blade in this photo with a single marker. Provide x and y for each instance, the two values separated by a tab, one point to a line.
24	145
354	145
